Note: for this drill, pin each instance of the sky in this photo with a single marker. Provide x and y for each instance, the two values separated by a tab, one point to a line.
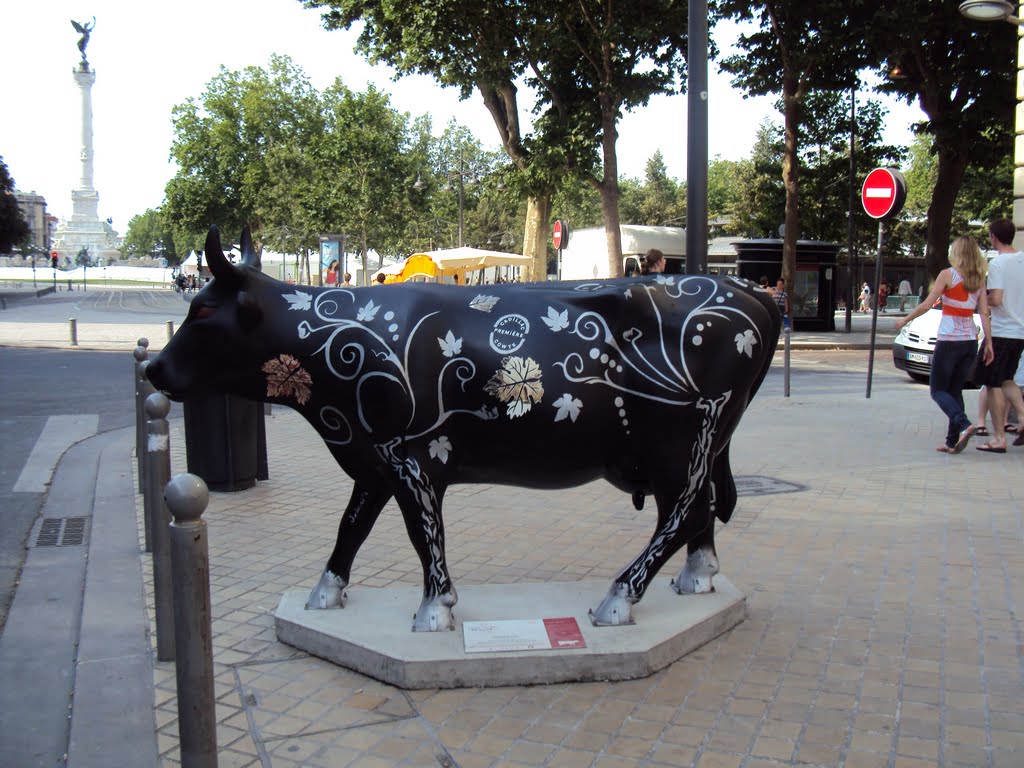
151	56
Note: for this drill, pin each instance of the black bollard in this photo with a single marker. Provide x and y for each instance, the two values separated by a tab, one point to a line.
140	355
146	389
158	519
187	497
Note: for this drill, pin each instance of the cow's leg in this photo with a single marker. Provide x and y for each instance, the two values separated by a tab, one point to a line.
361	513
683	512
420	501
701	565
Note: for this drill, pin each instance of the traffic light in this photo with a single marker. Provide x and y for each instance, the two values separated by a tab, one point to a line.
53	260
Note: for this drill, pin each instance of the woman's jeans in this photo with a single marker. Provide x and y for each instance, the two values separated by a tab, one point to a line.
951	365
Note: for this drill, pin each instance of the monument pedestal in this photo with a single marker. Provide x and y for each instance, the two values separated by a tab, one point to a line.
373	633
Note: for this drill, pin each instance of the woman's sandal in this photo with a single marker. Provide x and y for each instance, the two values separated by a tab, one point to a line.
981	431
989	448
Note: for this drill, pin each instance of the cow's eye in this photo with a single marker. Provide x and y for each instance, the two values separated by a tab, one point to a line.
204	312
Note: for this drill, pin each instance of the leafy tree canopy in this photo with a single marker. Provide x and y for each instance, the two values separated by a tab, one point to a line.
13	227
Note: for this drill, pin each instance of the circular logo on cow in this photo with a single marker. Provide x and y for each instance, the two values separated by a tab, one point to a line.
509	333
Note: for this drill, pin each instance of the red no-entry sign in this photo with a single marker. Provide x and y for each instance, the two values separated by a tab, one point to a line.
560	235
883	193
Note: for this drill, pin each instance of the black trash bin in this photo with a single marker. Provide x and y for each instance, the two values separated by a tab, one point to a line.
226	441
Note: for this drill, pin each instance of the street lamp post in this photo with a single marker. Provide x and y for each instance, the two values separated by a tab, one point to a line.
1003	10
851	257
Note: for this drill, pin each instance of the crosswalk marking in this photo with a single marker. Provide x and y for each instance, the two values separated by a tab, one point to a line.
59	434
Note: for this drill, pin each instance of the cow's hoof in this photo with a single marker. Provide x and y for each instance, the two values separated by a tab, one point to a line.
616	608
695	577
328	593
435	613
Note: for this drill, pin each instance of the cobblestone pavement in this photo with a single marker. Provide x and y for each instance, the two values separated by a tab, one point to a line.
883	598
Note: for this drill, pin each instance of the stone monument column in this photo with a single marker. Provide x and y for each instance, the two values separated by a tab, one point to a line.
85	199
85	230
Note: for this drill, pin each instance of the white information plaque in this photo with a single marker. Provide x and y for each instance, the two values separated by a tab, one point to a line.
558	634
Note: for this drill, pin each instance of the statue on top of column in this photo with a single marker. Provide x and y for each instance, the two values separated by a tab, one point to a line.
84	29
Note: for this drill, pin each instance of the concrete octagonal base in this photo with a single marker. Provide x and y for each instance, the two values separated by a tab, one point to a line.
373	633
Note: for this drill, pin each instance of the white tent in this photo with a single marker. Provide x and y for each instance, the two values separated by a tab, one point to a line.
457	261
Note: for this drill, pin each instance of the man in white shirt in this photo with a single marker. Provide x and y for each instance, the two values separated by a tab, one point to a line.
1006	300
904	291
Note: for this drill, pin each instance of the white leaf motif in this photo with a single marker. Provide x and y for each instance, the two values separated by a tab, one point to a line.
556	321
367	313
569	406
483	303
299	300
440	448
745	343
517	408
450	346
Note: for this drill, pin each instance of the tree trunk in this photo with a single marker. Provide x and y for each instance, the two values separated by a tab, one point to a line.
535	238
950	176
790	178
609	188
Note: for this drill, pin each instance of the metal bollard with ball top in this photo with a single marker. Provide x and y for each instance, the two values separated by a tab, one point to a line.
187	496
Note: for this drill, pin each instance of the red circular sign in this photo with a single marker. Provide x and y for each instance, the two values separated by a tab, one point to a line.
559	235
883	193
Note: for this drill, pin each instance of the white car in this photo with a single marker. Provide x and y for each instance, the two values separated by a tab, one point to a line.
914	345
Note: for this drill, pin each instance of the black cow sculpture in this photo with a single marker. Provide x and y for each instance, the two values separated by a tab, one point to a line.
415	387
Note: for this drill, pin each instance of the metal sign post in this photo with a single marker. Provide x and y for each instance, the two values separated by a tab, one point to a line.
883	195
560	238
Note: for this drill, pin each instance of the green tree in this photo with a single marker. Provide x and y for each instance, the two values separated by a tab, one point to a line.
726	179
362	169
825	157
149	235
588	62
984	195
468	44
657	200
760	208
13	227
798	46
962	76
223	142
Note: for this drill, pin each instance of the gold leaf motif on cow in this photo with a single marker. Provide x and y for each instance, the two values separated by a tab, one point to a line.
287	378
517	384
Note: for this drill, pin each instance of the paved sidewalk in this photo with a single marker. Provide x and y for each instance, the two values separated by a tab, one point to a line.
884	600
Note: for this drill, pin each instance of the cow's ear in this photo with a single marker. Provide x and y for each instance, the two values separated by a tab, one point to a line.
249	256
221	268
250	314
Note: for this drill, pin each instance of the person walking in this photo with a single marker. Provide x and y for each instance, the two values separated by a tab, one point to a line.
883	295
904	292
1006	301
962	288
865	298
782	301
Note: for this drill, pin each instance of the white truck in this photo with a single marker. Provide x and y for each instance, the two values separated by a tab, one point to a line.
585	257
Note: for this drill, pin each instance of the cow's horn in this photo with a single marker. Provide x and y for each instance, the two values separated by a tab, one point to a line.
249	256
215	258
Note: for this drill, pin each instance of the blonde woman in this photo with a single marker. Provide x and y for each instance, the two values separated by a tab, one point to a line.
962	288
